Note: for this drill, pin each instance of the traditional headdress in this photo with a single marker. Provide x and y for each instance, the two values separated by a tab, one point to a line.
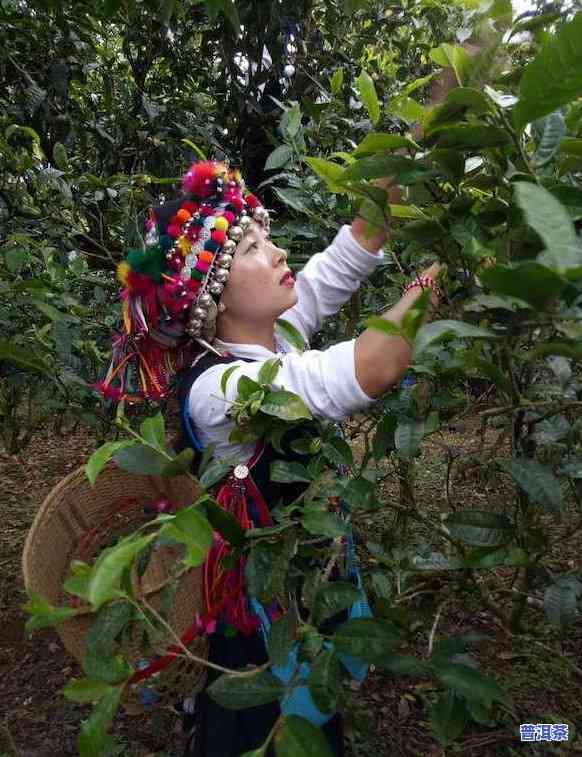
172	285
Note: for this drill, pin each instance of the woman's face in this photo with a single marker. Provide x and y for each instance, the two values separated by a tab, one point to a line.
260	285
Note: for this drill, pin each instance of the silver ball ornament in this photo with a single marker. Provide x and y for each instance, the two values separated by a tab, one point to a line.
289	71
225	260
236	233
216	288
222	276
199	313
204	300
194	327
229	247
244	222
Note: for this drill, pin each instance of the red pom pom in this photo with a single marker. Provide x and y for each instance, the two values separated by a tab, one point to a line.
200	179
193	233
229	216
192	285
238	203
173	230
219	236
252	201
206	210
191	207
175	221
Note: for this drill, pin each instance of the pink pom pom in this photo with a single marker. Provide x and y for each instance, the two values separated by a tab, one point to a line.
173	231
200	179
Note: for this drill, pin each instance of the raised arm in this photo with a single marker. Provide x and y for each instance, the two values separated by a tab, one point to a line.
329	279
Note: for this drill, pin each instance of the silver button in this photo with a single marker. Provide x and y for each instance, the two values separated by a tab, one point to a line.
241	472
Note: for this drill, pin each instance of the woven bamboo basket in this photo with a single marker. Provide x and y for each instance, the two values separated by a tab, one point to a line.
77	521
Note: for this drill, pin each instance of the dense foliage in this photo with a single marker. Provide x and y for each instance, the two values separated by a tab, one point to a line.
104	104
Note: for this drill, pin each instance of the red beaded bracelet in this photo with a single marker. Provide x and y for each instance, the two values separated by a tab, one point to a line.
425	282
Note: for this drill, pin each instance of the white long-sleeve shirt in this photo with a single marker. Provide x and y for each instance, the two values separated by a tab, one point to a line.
324	379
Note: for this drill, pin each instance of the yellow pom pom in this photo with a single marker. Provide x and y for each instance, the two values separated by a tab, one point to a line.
221	224
185	246
123	270
237	175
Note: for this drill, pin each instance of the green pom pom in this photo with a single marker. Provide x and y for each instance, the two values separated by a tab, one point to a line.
150	261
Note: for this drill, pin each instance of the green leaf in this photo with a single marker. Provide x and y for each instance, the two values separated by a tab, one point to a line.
550	129
453	56
370	640
214	472
237	693
482	557
537	481
561	601
60	156
338	451
110	565
279	157
325	681
554	77
140	460
291	121
533	283
299	737
330	172
43	614
368	95
111	669
480	528
571	146
23	358
403	170
470	137
337	82
93	739
101	457
406	665
291	334
282	638
383	325
285	405
548	217
191	528
406	109
181	464
324	524
438	331
224	522
285	472
536	22
86	690
470	683
269	370
380	142
111	620
153	431
294	198
226	375
332	598
448	717
408	436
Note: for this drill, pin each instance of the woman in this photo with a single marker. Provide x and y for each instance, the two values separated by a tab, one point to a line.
203	297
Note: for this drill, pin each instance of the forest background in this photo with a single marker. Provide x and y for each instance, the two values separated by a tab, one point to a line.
467	481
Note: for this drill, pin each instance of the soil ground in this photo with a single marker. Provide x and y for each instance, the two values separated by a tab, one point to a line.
387	715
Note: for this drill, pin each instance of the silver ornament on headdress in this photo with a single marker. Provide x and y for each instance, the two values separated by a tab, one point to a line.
229	247
236	233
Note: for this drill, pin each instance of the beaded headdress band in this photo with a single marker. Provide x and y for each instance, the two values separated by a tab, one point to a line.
172	285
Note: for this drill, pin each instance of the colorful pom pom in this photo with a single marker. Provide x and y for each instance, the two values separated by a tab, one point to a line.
206	210
201	178
183	215
206	257
252	201
191	207
212	246
197	275
219	237
123	270
184	245
221	224
166	242
201	265
230	216
174	231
